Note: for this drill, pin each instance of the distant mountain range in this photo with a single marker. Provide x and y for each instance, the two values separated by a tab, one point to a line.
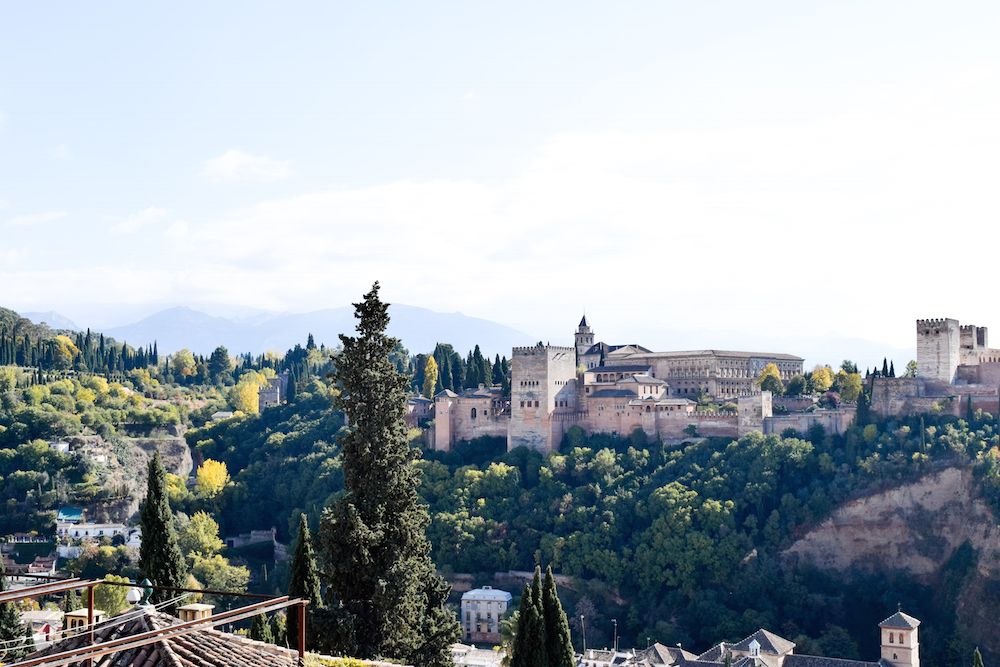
53	319
419	329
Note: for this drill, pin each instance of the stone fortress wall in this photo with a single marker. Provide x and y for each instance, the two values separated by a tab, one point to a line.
956	371
611	389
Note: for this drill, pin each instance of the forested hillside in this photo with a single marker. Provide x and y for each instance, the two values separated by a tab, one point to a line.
680	543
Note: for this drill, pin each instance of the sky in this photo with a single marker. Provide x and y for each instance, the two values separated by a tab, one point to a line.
758	171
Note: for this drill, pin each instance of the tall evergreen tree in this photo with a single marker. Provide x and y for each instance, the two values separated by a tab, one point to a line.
260	629
892	369
558	644
530	648
862	417
376	557
497	371
303	578
977	658
160	558
11	628
885	367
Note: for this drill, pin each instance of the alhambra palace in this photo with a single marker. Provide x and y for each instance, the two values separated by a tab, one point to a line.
618	389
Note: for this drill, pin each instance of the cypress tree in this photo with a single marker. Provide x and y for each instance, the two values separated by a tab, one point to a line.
558	644
260	629
892	369
376	557
303	579
11	628
530	648
885	367
977	658
71	601
290	393
863	415
497	371
160	558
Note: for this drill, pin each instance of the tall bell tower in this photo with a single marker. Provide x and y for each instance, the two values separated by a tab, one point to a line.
900	646
584	338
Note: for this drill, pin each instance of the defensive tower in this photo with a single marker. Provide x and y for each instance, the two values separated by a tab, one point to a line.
542	378
938	348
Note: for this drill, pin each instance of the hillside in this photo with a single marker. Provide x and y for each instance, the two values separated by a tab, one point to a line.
918	528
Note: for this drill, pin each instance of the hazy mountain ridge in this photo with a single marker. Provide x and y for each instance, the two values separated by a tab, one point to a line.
419	329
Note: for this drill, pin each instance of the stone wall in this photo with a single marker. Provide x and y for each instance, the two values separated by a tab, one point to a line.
833	421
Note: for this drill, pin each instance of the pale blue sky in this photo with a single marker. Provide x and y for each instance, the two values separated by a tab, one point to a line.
768	167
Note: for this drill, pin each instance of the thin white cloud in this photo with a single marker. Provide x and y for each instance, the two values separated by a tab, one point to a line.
34	219
236	166
141	220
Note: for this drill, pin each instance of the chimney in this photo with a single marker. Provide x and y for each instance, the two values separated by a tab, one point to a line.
195	612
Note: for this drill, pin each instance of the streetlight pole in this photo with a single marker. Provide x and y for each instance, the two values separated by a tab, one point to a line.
614	622
583	630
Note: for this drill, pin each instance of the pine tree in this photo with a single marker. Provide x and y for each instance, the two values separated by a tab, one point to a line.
530	648
558	644
11	628
260	629
377	567
160	558
303	579
977	658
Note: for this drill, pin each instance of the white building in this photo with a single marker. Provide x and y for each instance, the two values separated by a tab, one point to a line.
482	610
81	531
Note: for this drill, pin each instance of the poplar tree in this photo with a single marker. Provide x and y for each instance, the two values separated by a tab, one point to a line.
558	643
160	559
303	577
430	377
387	599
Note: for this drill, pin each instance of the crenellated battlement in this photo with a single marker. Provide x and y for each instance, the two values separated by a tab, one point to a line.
541	349
936	322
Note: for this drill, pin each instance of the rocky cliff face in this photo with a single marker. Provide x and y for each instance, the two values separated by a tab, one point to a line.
916	528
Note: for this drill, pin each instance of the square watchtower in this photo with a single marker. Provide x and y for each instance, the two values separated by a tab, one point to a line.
541	379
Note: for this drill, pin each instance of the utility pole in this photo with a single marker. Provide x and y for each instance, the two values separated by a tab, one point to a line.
614	621
583	630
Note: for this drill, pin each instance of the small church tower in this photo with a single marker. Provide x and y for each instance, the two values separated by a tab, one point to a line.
584	338
900	647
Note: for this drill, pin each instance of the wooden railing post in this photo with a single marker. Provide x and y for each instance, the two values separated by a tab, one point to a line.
301	611
90	619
